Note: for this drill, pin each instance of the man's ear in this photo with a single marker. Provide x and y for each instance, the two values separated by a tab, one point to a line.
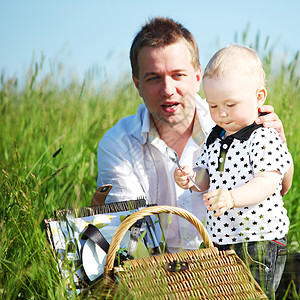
199	76
261	96
137	84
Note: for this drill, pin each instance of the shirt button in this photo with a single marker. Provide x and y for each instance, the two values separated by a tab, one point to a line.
183	204
221	159
187	238
225	146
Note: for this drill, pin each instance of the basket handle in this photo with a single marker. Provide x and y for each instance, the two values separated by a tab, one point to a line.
130	220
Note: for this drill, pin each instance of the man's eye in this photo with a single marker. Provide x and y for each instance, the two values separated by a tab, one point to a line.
178	75
152	78
213	106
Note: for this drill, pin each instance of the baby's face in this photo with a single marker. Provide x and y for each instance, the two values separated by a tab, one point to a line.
233	100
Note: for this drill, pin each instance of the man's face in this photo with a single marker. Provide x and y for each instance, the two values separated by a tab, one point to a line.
168	83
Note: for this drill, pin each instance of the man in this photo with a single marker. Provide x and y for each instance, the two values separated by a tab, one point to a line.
133	156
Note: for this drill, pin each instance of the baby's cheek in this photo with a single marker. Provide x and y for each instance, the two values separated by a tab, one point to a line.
244	118
214	116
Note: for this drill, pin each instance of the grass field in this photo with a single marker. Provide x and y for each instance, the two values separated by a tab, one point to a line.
43	116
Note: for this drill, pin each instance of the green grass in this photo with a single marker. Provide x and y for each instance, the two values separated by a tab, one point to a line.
47	114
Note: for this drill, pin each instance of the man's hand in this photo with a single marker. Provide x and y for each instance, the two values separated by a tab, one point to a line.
218	199
271	120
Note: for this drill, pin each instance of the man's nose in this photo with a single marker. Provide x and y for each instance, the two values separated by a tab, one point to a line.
167	88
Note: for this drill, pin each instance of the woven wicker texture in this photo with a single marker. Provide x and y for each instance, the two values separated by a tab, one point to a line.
199	274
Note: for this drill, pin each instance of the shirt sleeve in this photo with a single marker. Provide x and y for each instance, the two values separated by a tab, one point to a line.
268	152
115	168
202	161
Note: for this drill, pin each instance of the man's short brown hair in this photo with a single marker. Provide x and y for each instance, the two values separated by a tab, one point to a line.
161	32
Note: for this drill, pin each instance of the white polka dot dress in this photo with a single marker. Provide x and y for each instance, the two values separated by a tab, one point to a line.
232	162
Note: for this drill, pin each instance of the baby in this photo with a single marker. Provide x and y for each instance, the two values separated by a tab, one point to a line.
242	165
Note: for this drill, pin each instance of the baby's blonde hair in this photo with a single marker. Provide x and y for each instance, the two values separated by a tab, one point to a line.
238	58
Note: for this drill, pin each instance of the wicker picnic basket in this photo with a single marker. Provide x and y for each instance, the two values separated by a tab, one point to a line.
198	274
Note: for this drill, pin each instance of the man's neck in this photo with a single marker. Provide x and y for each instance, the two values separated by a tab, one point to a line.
176	136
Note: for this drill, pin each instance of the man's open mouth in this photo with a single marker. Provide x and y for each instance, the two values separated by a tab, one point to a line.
170	105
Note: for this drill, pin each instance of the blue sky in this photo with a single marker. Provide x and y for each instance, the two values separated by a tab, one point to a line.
96	35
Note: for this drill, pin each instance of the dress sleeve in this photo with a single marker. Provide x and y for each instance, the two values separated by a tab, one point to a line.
202	161
268	152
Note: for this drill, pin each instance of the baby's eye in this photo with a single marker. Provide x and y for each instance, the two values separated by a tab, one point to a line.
231	105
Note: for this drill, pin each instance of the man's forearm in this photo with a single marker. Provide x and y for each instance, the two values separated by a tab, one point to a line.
287	180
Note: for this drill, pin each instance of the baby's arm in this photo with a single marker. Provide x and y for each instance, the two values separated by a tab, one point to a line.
199	175
270	119
256	190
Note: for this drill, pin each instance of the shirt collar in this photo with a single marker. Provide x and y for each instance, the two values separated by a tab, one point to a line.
243	134
198	134
152	134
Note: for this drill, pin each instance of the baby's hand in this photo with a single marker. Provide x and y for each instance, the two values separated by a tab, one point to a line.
218	199
181	177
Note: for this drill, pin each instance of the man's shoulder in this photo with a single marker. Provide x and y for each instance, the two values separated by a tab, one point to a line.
127	126
204	115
